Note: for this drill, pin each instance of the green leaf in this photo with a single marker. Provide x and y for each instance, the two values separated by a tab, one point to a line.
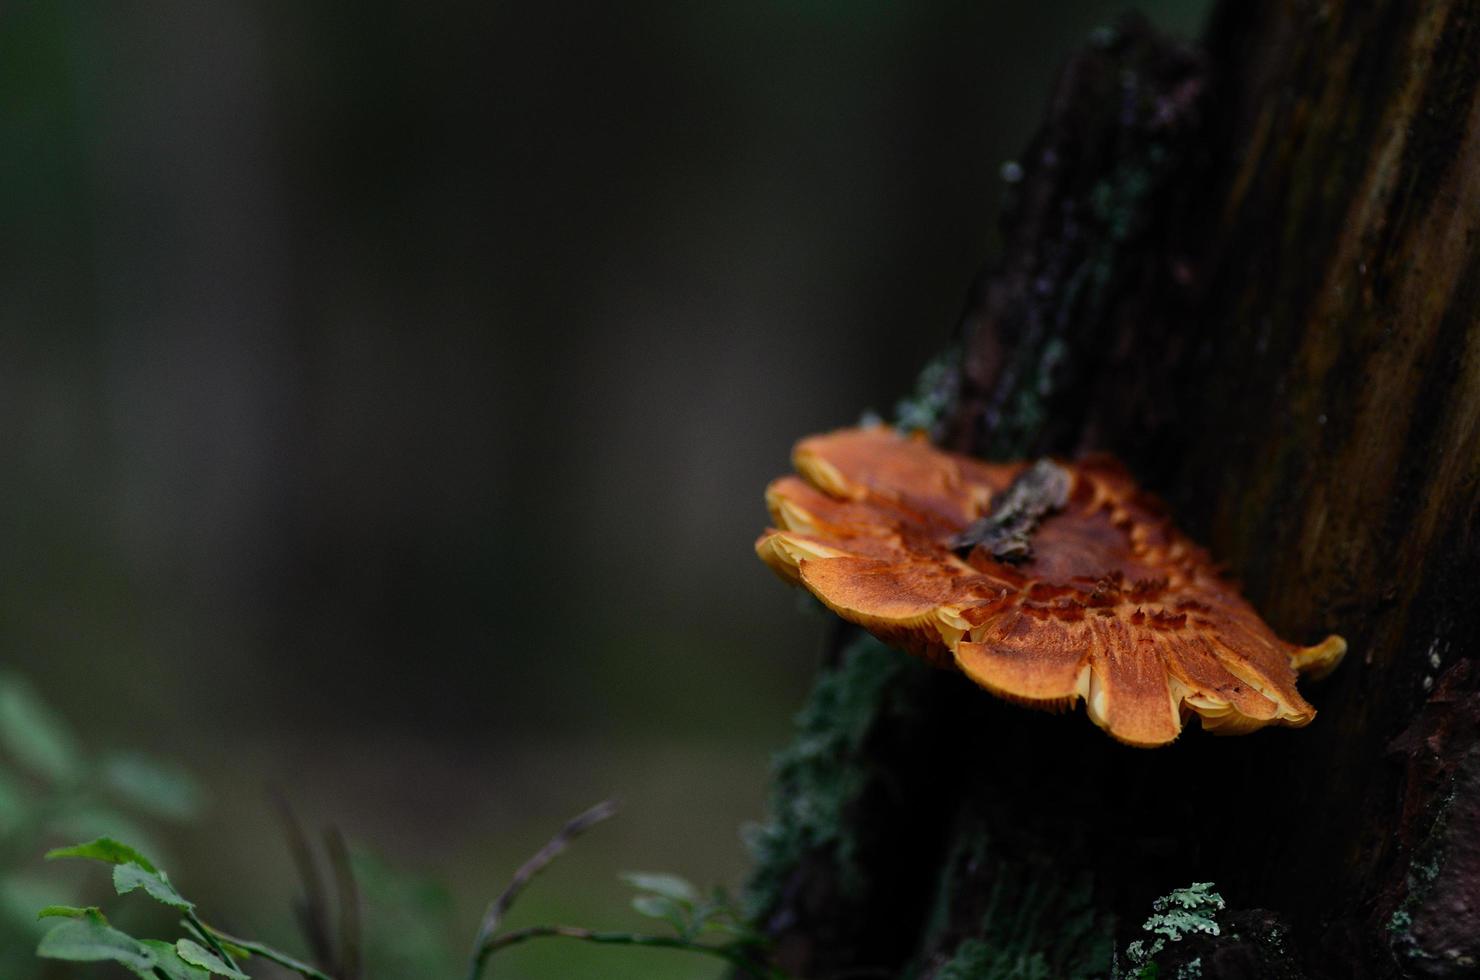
663	907
724	922
104	849
667	897
91	939
130	877
667	885
84	819
194	953
155	787
67	912
33	735
168	961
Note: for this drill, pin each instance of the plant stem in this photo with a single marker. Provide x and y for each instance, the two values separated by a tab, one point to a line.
267	953
482	944
211	940
348	965
731	956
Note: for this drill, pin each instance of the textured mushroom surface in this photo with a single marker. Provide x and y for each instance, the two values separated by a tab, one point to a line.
1109	603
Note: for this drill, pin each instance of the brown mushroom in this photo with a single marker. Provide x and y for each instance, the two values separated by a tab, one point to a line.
1045	585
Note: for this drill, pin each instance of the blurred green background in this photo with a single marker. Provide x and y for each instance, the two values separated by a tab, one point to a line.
389	388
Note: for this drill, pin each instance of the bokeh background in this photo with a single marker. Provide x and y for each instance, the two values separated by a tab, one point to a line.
387	391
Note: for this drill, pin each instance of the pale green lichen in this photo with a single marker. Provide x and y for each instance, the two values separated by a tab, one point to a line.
1180	913
1423	871
936	389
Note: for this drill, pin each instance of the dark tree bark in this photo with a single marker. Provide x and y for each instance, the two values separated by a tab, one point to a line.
1253	273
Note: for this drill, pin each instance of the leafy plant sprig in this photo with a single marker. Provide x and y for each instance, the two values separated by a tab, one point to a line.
87	936
55	788
697	922
708	925
50	786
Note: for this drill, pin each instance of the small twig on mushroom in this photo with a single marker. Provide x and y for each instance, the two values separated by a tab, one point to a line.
1008	530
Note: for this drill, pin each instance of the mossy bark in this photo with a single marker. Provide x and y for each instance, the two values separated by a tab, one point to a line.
1253	273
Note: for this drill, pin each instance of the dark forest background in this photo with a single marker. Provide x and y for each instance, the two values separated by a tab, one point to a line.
388	390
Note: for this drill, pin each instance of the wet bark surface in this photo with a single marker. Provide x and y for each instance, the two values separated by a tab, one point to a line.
1253	273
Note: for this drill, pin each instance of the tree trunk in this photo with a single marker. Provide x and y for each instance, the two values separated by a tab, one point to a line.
1253	273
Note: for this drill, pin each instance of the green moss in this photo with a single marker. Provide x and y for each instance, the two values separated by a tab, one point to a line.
978	960
1035	922
971	848
823	770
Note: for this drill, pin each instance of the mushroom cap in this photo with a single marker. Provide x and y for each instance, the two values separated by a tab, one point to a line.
1113	606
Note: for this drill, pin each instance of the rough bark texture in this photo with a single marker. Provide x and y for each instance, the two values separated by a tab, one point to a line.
1253	273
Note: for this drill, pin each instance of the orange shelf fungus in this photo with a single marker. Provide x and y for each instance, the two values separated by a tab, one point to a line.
1046	584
